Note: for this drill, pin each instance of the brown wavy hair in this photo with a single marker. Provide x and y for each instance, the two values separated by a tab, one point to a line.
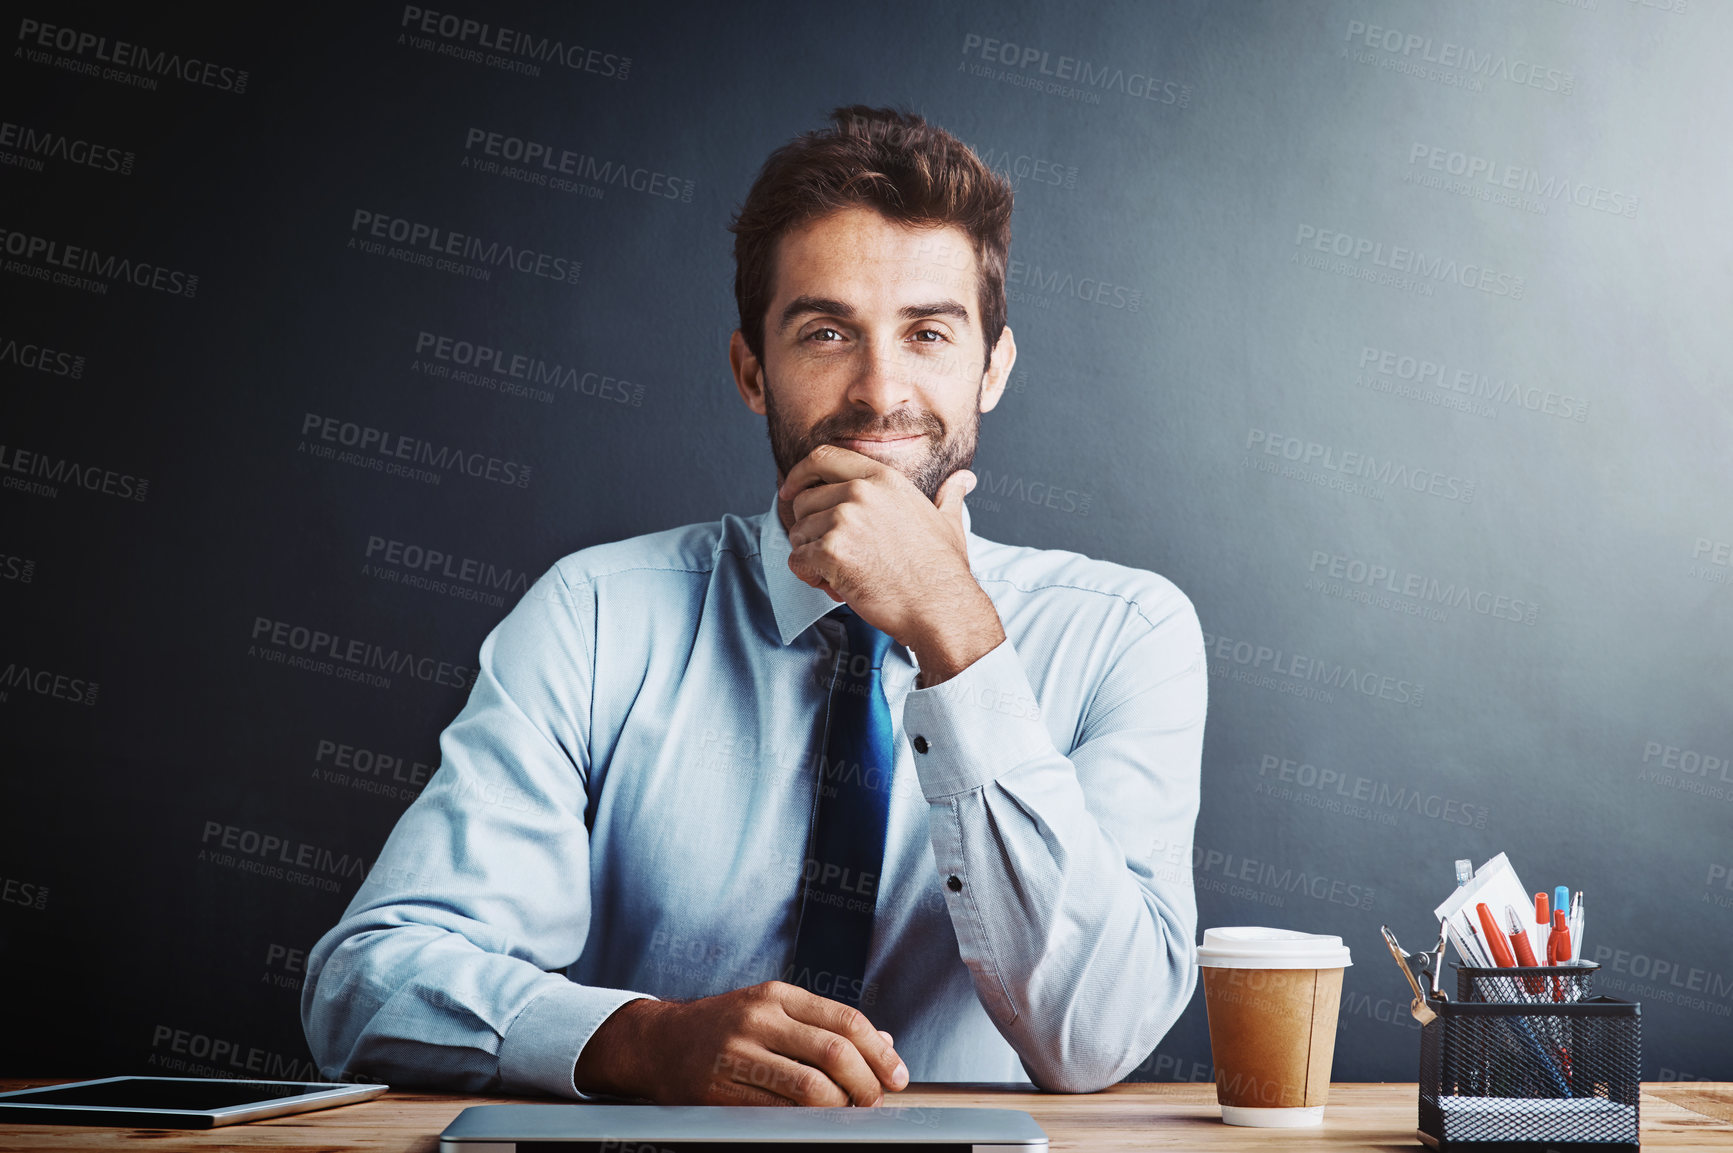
888	160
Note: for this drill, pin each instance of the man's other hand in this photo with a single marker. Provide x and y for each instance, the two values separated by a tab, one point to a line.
768	1044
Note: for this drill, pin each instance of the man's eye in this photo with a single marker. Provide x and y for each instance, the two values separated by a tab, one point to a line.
819	335
937	336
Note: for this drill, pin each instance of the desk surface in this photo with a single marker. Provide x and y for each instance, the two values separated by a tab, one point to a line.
1136	1116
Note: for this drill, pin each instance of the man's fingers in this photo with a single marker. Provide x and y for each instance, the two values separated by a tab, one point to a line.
809	528
957	486
826	464
836	1056
789	1079
849	1022
822	496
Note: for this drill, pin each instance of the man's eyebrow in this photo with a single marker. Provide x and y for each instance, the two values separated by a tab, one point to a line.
803	305
937	308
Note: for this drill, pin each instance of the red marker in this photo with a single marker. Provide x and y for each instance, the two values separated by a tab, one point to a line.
1542	916
1524	951
1501	954
1558	946
1558	949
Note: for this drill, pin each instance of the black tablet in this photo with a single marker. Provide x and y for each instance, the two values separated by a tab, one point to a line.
173	1102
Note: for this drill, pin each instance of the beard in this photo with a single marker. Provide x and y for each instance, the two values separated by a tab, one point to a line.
947	451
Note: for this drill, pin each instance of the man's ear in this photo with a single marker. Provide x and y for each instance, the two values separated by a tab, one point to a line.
748	374
998	369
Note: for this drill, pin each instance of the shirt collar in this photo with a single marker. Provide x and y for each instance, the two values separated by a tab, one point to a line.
796	604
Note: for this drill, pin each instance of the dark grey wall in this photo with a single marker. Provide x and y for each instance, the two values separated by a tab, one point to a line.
1396	334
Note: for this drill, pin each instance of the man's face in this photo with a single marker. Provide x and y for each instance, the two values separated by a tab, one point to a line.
873	342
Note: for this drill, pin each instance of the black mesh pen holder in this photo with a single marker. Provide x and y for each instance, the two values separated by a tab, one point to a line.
1555	982
1531	1076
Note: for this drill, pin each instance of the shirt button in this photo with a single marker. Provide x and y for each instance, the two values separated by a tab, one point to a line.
955	885
920	744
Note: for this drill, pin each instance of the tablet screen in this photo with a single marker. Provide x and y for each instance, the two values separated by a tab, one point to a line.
151	1093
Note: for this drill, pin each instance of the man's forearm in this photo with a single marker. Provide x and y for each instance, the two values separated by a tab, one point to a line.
616	1059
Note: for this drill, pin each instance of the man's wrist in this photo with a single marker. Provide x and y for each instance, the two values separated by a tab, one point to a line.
958	641
617	1059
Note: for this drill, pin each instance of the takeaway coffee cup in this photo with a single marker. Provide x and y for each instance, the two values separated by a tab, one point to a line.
1272	996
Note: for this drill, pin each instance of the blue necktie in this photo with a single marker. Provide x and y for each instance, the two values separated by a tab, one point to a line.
850	810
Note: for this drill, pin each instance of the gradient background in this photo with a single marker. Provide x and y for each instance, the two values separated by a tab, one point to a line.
1461	539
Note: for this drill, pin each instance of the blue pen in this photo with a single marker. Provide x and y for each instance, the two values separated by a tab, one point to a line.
1561	898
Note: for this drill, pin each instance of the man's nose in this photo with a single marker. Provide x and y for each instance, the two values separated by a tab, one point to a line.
880	382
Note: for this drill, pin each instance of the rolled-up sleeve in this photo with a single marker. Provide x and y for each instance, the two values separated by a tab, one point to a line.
1061	870
447	967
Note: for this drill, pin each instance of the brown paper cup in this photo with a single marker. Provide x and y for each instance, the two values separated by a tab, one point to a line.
1272	1027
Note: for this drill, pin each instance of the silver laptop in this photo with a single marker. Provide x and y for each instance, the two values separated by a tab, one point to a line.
714	1128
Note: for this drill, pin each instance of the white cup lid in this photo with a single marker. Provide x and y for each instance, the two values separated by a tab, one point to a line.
1254	947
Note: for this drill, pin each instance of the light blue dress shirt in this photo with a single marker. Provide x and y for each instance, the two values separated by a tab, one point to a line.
621	810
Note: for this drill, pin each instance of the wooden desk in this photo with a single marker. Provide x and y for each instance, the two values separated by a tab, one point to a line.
1141	1116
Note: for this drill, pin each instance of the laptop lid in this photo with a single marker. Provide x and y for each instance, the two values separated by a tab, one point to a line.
732	1129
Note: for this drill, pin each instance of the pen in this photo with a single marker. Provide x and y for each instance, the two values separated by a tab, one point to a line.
1542	912
1478	957
1501	954
1561	897
1464	871
1576	927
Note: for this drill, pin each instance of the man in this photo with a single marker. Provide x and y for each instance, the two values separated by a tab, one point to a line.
799	807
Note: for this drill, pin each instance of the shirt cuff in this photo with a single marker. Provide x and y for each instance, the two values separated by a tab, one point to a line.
541	1046
973	728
